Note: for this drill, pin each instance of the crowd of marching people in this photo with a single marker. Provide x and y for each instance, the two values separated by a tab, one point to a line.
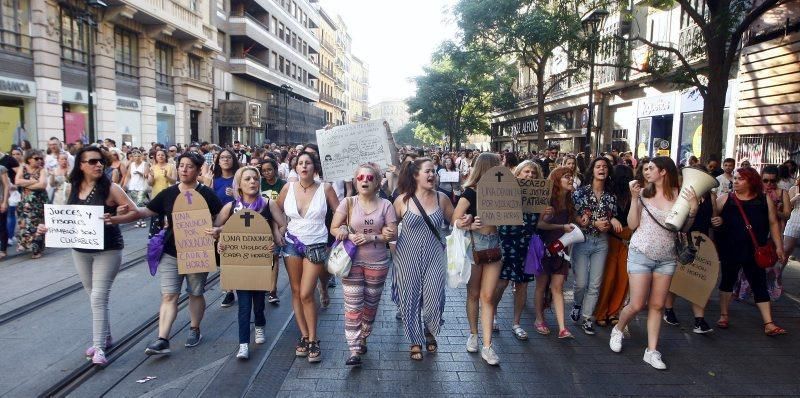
398	218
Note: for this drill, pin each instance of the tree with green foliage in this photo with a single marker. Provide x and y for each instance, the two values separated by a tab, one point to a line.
406	135
486	83
524	31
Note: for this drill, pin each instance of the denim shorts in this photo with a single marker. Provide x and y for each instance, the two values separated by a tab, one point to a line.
316	253
484	242
638	263
171	280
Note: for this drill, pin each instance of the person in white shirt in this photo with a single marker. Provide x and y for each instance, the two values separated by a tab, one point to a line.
54	149
726	179
465	164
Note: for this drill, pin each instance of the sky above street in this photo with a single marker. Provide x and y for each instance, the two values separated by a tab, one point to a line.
395	38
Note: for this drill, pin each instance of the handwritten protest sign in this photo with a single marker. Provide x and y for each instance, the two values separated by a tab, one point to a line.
246	261
190	219
696	281
499	198
343	148
74	226
449	176
535	195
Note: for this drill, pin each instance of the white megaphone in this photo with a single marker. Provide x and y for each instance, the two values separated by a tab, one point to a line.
575	236
702	182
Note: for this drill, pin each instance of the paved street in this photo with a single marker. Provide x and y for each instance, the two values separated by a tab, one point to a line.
51	339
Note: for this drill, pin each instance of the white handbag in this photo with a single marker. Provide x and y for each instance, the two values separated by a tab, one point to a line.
341	257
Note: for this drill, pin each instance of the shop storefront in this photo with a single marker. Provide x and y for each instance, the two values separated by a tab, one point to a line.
165	123
17	105
129	121
522	134
241	121
76	114
654	126
691	131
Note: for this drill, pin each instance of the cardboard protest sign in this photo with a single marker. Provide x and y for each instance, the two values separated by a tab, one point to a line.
74	226
190	219
449	176
535	195
246	261
697	280
499	198
343	148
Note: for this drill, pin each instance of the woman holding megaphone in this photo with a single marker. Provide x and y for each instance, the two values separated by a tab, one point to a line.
651	253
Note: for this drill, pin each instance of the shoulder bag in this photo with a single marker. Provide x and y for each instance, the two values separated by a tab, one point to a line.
341	258
685	249
765	255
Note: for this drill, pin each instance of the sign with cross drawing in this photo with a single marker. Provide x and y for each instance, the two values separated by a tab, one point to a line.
190	219
499	198
245	256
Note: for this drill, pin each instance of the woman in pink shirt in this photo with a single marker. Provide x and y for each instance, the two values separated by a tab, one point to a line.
369	222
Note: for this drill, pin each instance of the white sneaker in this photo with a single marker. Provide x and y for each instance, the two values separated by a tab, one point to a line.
488	355
260	339
244	352
654	359
472	343
616	340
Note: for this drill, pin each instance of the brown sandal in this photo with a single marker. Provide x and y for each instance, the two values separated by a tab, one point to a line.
416	352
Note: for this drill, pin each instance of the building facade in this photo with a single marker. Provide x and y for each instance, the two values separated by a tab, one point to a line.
329	94
359	90
152	75
394	112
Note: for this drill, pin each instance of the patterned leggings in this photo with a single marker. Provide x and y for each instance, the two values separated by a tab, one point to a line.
362	294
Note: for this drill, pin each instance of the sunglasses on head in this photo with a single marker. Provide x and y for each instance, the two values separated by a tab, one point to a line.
368	177
94	162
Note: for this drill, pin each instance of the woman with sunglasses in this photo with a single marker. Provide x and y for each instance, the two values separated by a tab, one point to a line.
32	178
305	203
98	268
247	195
369	222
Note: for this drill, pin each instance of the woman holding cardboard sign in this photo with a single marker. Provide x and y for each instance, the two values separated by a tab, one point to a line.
98	268
369	222
247	195
486	273
305	203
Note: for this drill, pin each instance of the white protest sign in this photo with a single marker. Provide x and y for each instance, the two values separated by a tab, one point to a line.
449	176
343	148
74	226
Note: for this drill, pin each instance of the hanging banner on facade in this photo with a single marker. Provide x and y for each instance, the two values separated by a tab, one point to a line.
343	148
535	195
74	226
499	198
190	219
246	261
697	280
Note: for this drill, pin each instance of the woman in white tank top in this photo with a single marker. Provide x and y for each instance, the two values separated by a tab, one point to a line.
136	182
305	203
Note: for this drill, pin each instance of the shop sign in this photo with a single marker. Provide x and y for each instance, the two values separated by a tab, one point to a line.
522	126
661	105
129	103
74	96
17	88
167	109
232	113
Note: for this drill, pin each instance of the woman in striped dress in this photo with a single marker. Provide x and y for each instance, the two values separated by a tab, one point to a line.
419	263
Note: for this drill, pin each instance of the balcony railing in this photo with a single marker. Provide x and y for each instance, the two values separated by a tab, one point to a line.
14	42
691	42
525	93
328	46
327	98
327	72
183	16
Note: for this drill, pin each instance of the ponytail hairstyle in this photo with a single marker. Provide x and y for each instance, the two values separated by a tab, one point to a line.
406	179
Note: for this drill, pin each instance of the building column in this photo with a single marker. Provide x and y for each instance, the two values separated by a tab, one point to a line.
46	51
147	90
105	83
180	62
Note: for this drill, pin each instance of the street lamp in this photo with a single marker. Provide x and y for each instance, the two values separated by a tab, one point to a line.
460	94
591	24
286	90
87	18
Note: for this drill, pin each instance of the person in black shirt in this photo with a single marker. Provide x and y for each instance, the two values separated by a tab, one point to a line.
189	165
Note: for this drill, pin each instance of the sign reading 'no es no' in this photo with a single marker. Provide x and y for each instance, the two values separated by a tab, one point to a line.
499	198
190	219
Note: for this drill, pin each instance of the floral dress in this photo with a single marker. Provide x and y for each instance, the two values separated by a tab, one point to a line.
30	213
514	241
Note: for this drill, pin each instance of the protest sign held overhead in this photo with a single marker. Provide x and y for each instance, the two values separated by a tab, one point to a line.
535	195
697	280
499	198
449	176
74	226
343	148
190	218
246	259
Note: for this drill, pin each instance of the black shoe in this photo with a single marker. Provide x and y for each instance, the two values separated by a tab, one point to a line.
332	282
701	327
670	318
272	298
229	299
158	347
354	360
587	327
575	314
193	338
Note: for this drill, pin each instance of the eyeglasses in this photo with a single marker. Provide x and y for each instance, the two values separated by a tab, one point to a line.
368	177
172	150
769	181
37	158
94	162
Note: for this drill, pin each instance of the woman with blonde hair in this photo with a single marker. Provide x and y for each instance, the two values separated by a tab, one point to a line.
247	195
514	241
484	278
571	162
